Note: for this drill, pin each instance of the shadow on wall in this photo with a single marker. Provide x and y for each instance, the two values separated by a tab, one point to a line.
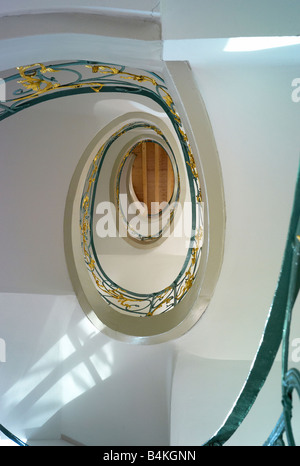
83	385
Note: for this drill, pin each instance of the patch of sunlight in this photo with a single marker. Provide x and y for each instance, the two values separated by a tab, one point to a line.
103	367
66	347
76	382
107	350
66	389
38	372
251	44
86	330
51	383
10	443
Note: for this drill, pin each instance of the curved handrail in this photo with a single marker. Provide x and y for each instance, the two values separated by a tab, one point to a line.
276	328
12	437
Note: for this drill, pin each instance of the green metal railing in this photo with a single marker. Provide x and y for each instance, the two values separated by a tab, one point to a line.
38	83
12	437
277	328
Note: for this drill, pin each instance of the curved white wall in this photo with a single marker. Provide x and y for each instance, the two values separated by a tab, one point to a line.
57	367
57	364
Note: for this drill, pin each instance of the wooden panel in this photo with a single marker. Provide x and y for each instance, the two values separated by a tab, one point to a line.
152	175
157	173
144	173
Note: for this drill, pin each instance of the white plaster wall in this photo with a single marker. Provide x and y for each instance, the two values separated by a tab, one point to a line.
234	18
63	377
255	123
60	375
211	387
131	6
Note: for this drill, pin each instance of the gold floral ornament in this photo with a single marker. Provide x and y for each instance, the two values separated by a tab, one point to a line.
106	69
199	195
190	273
117	293
33	81
166	300
113	294
192	164
107	289
188	282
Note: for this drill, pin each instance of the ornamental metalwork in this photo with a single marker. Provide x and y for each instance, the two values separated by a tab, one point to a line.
121	299
38	83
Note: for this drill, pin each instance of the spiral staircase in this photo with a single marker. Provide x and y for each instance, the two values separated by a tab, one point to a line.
189	308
